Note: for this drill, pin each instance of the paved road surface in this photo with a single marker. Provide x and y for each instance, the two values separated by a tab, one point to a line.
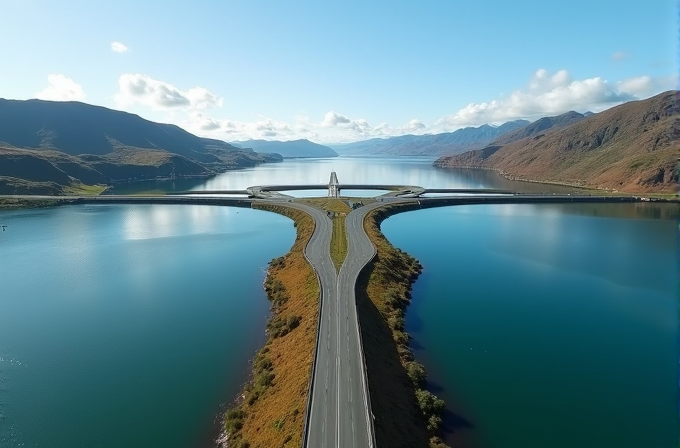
339	413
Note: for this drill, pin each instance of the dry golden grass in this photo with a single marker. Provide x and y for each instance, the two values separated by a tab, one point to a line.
276	418
329	204
339	237
339	241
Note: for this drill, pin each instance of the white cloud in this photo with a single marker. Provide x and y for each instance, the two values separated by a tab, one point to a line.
142	89
619	56
414	126
119	47
548	95
230	130
337	128
334	128
545	94
333	119
646	86
61	88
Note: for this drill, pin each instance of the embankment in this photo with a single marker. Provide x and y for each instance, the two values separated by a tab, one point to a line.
406	415
270	411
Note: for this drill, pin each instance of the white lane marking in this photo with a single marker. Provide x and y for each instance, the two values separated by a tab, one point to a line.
337	427
338	381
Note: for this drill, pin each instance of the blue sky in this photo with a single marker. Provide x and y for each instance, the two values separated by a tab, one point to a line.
338	71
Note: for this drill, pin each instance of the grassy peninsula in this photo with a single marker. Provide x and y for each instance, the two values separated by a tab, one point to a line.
270	411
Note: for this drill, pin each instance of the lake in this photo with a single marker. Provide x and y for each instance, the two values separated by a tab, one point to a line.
542	326
129	326
548	326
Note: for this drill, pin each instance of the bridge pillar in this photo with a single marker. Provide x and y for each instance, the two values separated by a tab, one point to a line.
333	186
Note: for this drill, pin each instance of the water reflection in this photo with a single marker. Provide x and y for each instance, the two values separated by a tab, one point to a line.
161	221
389	170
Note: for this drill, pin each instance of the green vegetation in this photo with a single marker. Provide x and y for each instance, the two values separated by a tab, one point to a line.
432	407
281	326
12	203
276	292
79	189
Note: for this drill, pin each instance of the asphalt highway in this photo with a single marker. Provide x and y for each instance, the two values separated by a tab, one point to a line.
338	413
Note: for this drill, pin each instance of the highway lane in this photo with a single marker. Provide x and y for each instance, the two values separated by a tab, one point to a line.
324	405
360	251
338	413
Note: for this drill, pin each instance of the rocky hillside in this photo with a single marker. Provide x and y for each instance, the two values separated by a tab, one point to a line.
431	145
66	144
633	147
539	126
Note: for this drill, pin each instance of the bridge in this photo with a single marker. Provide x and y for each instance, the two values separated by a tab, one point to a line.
338	412
333	186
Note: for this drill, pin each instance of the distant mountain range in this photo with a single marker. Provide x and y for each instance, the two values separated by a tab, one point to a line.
634	147
49	147
289	149
433	145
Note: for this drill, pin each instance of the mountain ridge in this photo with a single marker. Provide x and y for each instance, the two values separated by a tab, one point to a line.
633	147
74	143
301	148
432	145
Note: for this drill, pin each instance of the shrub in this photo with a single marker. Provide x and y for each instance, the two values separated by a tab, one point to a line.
395	322
416	372
233	421
436	442
433	423
405	353
281	326
400	337
263	363
429	403
264	380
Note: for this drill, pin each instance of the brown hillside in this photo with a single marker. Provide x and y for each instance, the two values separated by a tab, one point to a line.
633	147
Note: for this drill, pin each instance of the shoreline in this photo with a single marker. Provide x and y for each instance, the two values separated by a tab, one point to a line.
580	186
406	414
270	409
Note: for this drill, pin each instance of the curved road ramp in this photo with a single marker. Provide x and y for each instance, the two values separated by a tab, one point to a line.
338	409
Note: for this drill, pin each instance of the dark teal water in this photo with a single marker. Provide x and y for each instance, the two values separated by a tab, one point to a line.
548	326
129	326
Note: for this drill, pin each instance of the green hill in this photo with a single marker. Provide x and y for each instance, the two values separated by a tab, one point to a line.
72	143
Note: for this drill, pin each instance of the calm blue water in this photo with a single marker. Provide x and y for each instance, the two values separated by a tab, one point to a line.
130	326
548	326
390	171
